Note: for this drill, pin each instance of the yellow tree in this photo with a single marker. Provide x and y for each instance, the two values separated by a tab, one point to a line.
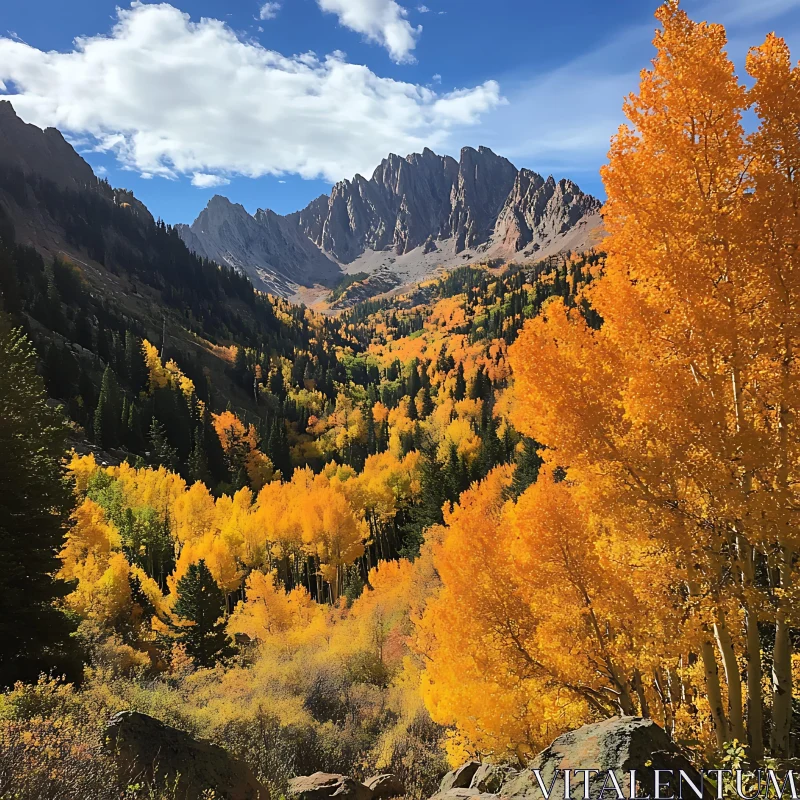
679	413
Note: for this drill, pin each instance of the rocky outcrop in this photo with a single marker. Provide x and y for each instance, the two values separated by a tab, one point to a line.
484	181
41	152
146	750
267	247
322	785
385	786
460	778
621	744
425	210
537	211
490	778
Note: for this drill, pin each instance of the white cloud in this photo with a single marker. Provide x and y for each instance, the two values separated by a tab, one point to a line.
437	78
281	181
205	180
172	97
269	11
423	9
381	21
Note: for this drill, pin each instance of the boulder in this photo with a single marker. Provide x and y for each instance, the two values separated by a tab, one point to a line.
146	749
386	785
322	785
620	744
489	778
460	778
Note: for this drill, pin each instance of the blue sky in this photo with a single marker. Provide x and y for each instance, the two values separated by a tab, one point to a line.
268	103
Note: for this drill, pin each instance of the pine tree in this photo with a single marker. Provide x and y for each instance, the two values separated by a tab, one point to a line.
460	390
35	501
108	413
135	365
197	464
163	453
201	604
526	467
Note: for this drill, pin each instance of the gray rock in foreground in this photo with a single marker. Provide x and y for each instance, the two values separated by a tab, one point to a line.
322	785
621	744
385	786
147	750
460	778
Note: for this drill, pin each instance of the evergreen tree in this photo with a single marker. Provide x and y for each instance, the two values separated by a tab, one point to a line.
35	501
427	403
201	604
135	365
460	390
197	464
108	413
414	383
162	454
526	470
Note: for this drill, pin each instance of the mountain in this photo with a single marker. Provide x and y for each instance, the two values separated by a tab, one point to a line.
34	151
413	216
269	248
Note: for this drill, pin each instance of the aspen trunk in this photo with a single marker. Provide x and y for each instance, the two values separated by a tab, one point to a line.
733	678
782	667
755	701
714	692
644	708
781	688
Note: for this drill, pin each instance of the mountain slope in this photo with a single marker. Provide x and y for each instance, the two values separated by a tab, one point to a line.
413	216
268	247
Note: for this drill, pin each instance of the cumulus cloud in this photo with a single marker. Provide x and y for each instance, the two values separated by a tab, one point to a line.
269	10
205	180
173	97
423	9
381	21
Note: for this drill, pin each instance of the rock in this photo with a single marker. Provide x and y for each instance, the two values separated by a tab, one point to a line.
147	749
322	785
458	794
460	778
537	211
411	206
268	248
491	777
620	744
386	785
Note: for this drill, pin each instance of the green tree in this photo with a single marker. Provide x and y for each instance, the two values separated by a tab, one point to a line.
108	413
460	390
163	453
35	502
135	365
200	606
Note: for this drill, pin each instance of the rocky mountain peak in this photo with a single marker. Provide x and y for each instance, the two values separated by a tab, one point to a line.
43	152
417	208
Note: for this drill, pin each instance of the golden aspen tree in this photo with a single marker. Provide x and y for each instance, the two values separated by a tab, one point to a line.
679	412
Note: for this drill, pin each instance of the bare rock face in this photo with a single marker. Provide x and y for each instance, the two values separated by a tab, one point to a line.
460	778
621	744
322	785
489	778
148	750
411	207
267	247
385	786
537	211
484	181
41	152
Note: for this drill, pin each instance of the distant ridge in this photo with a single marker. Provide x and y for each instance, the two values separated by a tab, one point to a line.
415	215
